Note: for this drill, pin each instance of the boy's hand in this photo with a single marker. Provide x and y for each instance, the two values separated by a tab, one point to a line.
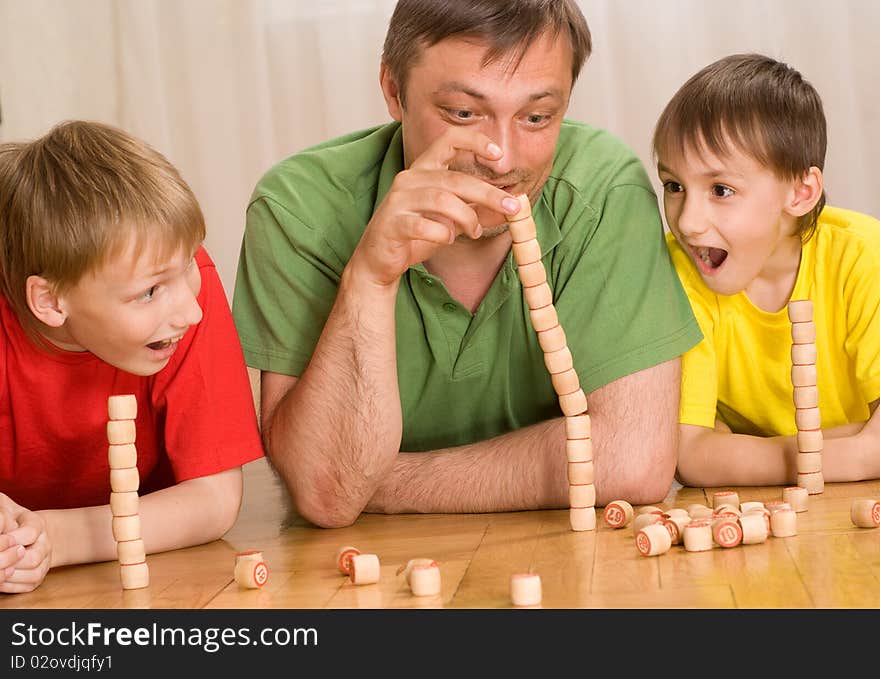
27	551
11	554
10	551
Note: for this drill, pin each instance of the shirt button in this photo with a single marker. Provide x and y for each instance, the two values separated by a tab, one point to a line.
449	306
428	282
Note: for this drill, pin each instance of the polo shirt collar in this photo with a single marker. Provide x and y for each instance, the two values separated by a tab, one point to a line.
392	164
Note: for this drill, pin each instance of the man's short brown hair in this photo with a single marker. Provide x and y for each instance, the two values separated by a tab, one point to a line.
505	26
757	104
73	199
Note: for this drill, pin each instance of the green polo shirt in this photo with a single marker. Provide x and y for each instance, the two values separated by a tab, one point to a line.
467	377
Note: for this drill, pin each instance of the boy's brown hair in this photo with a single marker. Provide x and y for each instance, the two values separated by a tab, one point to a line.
75	198
761	106
505	26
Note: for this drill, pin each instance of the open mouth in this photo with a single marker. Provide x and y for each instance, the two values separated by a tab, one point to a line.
163	344
710	258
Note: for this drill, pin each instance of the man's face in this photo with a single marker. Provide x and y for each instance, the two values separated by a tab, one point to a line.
520	109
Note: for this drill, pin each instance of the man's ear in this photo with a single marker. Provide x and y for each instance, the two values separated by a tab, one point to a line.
44	302
807	192
391	92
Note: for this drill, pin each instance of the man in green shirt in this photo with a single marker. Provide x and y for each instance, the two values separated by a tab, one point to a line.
377	293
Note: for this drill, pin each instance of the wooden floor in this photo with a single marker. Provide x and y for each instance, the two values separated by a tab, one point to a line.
829	564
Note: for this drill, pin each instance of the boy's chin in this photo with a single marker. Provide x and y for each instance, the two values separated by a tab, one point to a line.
720	287
141	368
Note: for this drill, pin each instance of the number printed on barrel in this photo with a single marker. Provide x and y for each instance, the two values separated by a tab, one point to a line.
261	573
614	516
728	535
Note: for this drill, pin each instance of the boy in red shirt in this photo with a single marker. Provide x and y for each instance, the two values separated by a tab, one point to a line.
105	289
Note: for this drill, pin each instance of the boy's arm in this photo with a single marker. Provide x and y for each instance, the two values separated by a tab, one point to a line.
715	457
190	513
864	459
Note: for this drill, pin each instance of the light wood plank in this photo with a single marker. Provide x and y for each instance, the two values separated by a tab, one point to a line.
829	564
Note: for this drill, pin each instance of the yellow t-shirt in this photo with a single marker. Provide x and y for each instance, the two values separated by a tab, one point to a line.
741	370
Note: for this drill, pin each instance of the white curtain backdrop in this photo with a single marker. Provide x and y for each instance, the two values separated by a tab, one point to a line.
226	88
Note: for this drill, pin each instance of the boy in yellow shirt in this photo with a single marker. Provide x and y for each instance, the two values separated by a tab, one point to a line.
740	150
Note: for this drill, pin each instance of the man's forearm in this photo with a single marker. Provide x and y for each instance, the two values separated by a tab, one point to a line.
523	469
634	442
335	435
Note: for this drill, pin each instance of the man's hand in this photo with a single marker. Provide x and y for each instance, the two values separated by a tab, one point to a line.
428	206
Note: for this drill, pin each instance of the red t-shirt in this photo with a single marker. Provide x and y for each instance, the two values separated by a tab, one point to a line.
195	416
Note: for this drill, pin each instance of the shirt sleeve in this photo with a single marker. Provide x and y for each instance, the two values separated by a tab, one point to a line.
619	299
286	285
861	297
205	393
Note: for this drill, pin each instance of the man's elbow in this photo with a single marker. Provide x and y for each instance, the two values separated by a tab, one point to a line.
317	500
323	512
650	483
321	502
322	497
652	486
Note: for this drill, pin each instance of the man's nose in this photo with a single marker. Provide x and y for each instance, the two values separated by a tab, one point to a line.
503	135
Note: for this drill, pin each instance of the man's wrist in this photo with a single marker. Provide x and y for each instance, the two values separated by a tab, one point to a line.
358	280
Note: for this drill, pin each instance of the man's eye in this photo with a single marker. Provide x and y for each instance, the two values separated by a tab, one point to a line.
461	114
536	119
721	191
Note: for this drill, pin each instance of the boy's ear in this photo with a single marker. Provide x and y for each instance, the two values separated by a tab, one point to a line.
391	92
44	302
807	192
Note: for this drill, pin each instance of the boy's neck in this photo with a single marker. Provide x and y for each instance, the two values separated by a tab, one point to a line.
771	289
60	338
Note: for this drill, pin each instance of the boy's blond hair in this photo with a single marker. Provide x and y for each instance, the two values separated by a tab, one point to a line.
761	106
75	198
